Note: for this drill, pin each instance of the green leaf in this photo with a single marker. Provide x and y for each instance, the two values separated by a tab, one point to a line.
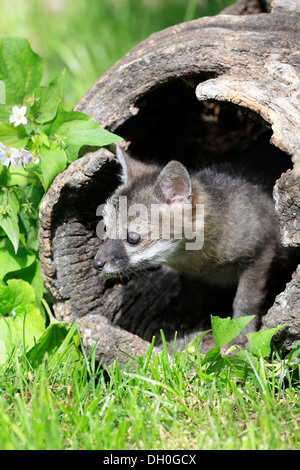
9	208
61	117
239	364
194	345
57	340
78	133
12	136
226	329
21	69
294	354
191	351
17	177
29	199
32	275
11	261
52	162
212	355
21	322
22	329
17	293
236	365
28	324
46	100
260	341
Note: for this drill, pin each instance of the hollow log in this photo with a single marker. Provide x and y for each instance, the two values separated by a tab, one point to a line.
213	89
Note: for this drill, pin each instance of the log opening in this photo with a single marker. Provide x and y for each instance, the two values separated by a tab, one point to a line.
210	90
198	134
172	124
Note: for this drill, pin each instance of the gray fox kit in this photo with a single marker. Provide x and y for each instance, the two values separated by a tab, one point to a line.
212	224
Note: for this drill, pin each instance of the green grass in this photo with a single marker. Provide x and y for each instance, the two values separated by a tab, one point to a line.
154	404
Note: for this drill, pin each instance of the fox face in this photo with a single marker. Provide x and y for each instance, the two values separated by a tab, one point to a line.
144	218
128	246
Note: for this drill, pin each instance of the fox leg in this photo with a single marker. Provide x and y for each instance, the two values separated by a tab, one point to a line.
251	292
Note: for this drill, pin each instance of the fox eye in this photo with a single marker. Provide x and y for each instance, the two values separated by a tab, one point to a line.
133	238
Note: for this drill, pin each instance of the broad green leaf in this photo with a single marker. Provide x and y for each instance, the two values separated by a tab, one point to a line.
20	330
32	275
11	261
61	117
237	365
52	162
9	208
12	136
212	355
17	293
34	195
260	341
28	324
46	100
21	69
75	134
226	329
16	177
21	322
57	339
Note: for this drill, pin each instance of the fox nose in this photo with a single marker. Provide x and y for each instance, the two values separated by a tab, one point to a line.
99	263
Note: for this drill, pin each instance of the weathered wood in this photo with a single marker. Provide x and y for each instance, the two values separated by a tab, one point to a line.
286	311
209	89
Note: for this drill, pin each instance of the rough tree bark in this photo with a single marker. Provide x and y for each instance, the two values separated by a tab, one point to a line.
209	89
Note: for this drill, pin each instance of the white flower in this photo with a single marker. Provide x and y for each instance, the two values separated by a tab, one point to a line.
18	116
9	156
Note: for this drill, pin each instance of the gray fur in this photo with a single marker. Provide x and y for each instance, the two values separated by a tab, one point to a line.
241	231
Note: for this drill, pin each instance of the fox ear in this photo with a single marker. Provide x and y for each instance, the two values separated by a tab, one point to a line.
173	184
130	167
122	157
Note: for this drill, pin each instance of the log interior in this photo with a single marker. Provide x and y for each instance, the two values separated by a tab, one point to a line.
173	124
